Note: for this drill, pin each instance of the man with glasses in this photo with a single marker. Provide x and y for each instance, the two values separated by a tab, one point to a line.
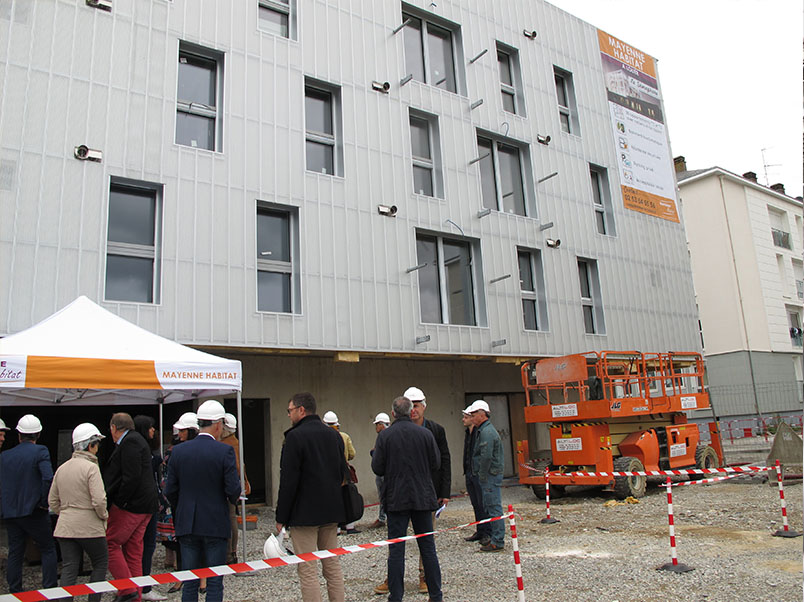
312	471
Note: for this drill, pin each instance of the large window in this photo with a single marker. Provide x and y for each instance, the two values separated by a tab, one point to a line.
133	242
591	304
277	244
780	228
323	124
504	176
531	285
198	103
446	280
430	52
425	146
601	200
565	95
276	17
510	79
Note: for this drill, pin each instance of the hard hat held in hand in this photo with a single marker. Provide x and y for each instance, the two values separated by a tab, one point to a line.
273	548
29	425
85	431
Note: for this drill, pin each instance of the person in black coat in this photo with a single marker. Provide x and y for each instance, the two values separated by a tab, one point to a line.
311	474
132	498
405	456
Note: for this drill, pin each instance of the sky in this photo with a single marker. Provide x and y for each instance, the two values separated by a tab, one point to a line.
730	72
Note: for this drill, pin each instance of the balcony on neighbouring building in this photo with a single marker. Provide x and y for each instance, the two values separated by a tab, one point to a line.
781	238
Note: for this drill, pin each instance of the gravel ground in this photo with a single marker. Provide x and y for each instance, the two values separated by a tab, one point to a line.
594	553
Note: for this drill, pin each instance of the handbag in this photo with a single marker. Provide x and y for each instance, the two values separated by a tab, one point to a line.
352	473
352	502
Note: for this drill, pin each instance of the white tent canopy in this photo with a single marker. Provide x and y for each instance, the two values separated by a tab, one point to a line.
87	355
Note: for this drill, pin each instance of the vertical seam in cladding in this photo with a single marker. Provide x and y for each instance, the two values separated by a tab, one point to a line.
39	184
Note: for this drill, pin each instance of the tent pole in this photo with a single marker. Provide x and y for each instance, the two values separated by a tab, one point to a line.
161	430
242	468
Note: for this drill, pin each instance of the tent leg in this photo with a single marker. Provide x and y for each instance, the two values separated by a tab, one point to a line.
161	430
242	477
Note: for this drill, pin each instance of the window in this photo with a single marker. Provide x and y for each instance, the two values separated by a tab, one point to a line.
430	52
601	200
796	333
565	94
276	17
590	297
426	151
502	180
323	123
277	250
133	241
446	280
779	228
531	285
198	105
510	80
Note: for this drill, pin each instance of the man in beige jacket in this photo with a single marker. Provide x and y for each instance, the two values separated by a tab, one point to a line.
79	498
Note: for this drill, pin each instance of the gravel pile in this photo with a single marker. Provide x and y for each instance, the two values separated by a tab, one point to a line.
595	553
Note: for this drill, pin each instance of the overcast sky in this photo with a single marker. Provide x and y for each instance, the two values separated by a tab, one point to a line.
730	73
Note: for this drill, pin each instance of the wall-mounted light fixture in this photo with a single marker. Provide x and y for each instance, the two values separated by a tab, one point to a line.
424	339
483	212
482	52
531	35
543	139
545	178
546	226
103	4
475	104
405	79
416	267
399	27
498	343
499	278
84	153
478	159
381	86
388	210
553	243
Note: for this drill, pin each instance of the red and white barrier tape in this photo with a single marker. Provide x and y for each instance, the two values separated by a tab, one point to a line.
116	585
712	480
657	473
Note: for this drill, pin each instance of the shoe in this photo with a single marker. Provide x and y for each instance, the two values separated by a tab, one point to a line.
474	537
352	531
377	524
153	595
485	540
176	587
382	588
423	585
490	547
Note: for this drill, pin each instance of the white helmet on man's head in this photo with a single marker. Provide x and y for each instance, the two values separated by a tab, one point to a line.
479	404
230	421
382	417
211	409
331	418
3	426
29	425
86	431
188	420
415	394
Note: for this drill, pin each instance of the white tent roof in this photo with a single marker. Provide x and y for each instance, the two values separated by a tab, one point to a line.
85	354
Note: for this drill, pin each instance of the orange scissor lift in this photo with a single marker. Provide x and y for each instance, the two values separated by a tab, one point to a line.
621	411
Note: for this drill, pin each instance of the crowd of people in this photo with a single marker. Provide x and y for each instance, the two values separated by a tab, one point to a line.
187	500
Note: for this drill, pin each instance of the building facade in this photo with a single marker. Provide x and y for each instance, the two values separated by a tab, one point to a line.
351	199
746	249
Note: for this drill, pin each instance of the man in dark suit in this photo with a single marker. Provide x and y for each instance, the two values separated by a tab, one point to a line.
25	477
312	471
132	498
405	455
202	482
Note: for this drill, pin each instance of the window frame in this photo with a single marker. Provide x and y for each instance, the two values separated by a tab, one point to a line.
601	203
515	88
428	20
273	266
334	140
133	250
435	162
279	7
536	295
475	272
525	173
591	305
568	111
198	109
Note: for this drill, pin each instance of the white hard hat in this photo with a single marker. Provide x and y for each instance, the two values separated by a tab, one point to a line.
382	417
272	548
3	426
230	421
414	394
29	425
85	431
479	404
211	409
469	409
188	420
331	418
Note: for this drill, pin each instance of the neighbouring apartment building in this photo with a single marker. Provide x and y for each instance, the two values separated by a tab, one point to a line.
746	247
350	198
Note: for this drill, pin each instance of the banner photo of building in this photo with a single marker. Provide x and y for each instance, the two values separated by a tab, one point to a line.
644	159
